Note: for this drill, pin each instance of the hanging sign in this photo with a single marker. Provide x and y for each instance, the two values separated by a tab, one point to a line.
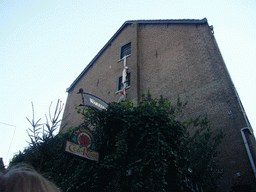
92	101
82	144
95	102
81	151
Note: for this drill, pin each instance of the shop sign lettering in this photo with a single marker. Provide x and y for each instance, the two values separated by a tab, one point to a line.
76	149
95	102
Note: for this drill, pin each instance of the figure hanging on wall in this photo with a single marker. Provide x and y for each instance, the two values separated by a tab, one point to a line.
124	80
122	97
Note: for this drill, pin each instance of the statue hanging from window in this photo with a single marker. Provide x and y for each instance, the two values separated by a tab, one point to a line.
122	92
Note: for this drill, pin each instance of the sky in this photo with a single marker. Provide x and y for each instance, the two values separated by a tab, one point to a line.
45	45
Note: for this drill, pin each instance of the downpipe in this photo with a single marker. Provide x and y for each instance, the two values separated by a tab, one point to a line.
248	149
243	134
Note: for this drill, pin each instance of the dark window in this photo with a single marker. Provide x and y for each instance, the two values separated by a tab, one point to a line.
125	50
119	81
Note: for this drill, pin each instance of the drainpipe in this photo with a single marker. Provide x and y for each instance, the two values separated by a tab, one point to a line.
247	148
244	114
243	134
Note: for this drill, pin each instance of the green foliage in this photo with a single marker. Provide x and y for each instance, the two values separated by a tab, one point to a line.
142	148
142	139
200	169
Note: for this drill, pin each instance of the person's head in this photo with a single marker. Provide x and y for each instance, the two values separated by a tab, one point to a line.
25	179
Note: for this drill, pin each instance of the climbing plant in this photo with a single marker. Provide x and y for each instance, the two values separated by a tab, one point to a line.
142	148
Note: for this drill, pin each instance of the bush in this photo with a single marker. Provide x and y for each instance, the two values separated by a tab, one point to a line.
142	148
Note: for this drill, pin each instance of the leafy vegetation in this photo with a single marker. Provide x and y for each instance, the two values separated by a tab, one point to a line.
142	148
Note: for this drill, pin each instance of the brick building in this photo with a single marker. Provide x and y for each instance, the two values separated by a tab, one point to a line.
171	58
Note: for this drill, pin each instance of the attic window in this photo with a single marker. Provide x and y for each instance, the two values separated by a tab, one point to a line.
125	50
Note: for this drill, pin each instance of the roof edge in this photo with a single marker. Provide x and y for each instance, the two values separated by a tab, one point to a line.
129	22
168	21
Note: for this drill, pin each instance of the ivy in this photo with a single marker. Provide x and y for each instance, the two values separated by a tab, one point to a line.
142	148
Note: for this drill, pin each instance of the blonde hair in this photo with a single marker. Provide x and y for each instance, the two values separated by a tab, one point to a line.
25	179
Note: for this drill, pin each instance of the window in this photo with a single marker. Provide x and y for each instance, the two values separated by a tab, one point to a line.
125	50
120	84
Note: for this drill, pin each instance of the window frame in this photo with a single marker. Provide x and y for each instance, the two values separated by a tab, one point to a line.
119	81
122	49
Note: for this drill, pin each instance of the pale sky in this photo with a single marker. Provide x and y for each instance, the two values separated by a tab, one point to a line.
45	45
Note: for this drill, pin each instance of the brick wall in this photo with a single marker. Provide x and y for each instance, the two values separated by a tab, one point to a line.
185	60
101	78
172	60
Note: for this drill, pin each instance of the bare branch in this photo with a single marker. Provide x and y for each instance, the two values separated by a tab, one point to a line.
50	111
